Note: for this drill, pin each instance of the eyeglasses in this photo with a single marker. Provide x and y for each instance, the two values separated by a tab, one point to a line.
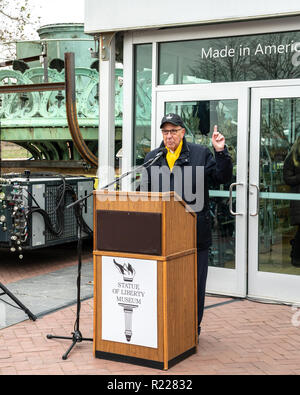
172	131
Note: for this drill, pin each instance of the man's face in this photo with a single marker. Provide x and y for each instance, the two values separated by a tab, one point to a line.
172	135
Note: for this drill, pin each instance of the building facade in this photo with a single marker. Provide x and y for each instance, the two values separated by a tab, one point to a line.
237	66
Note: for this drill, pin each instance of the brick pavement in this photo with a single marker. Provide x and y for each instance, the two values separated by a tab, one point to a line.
243	337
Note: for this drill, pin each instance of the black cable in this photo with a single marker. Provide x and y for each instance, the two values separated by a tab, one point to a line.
85	227
79	217
47	219
58	230
62	191
32	197
61	194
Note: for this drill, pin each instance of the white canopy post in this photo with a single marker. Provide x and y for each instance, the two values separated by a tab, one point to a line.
106	169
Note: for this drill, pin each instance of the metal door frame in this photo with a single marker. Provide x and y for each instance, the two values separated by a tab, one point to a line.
222	281
265	285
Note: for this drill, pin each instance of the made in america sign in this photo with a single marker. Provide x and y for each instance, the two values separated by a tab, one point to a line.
129	301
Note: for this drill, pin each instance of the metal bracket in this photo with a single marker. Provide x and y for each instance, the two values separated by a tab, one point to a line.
105	42
95	52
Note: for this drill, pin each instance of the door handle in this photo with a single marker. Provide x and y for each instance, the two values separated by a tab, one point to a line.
257	200
230	199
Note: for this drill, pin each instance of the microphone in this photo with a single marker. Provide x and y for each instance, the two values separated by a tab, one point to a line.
161	152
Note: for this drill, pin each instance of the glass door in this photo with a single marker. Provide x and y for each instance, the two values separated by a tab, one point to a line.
201	109
274	194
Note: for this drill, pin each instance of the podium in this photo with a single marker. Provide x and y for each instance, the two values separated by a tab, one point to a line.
145	278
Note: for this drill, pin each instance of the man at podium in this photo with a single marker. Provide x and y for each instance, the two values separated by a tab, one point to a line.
177	153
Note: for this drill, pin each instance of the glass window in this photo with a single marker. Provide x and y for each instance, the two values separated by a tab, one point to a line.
242	58
199	119
143	102
279	218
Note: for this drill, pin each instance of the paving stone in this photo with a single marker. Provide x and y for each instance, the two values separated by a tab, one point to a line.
242	337
45	293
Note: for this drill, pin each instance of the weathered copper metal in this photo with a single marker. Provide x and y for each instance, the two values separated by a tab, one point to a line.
77	138
50	86
70	88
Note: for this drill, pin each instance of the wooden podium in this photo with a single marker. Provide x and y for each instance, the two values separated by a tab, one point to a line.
145	278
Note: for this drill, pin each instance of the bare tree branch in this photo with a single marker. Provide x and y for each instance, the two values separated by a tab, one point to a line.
16	23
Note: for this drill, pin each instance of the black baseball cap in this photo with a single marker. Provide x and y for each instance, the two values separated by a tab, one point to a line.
174	119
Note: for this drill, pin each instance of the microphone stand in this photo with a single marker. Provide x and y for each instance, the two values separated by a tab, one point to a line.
76	335
17	301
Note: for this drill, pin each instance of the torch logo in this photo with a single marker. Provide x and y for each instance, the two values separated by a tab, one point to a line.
126	270
128	274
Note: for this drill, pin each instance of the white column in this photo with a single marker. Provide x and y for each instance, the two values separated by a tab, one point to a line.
106	139
128	101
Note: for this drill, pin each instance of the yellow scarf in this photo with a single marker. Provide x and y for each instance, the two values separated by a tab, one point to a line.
173	156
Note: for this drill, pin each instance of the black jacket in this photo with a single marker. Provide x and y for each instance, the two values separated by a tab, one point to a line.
291	175
217	171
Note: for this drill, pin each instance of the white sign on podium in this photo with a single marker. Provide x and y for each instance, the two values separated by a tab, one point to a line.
129	301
